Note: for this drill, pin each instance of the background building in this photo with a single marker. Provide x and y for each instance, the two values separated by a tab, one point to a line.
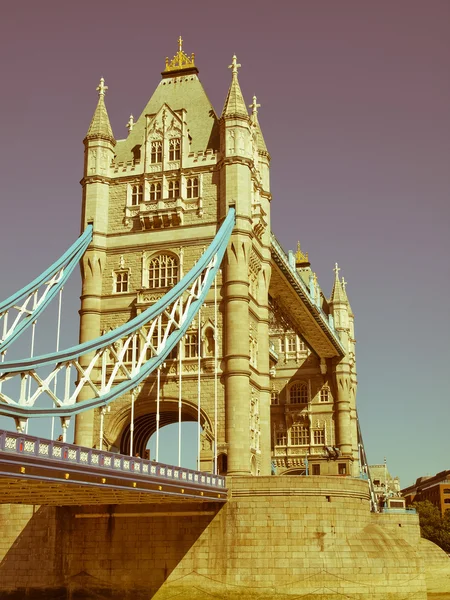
435	488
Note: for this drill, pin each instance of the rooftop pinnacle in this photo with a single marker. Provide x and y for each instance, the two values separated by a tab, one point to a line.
338	294
261	144
181	63
100	126
234	104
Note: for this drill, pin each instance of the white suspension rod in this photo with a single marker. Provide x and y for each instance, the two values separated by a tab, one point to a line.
215	374
158	390
58	333
180	369
199	341
102	418
132	424
158	385
33	333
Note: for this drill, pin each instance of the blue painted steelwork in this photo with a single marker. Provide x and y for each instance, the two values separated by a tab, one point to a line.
65	265
18	444
209	262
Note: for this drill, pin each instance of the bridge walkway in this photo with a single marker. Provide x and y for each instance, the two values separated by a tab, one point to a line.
41	471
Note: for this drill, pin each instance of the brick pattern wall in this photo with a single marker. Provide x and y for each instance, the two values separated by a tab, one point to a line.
277	537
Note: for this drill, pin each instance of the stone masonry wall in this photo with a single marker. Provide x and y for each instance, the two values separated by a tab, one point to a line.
277	537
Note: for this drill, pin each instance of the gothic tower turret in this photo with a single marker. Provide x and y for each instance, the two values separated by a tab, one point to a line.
341	367
99	152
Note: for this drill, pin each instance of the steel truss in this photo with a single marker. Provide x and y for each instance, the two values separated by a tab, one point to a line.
117	362
23	308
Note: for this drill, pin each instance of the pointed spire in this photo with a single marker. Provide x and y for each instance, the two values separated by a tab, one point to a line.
338	294
100	126
301	258
235	104
260	143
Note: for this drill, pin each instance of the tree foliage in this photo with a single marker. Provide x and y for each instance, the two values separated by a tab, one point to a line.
433	526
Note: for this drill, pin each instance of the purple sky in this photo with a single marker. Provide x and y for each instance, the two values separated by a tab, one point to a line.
355	112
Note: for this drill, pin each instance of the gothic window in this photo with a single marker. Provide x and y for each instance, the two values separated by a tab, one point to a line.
302	346
156	152
192	187
319	437
325	394
162	271
298	393
120	282
155	191
274	397
191	345
342	469
156	336
280	438
174	149
174	189
136	151
137	195
299	434
292	344
282	345
128	356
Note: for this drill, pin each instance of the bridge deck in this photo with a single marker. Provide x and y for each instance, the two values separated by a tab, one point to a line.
40	471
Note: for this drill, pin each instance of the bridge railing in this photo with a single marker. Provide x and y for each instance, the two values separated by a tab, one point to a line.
30	446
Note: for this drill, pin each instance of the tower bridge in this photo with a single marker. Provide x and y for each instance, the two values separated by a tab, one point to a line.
190	311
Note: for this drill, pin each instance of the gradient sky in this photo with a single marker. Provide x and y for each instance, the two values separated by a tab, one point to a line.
355	113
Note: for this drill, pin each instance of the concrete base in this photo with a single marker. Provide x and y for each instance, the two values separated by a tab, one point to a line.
277	537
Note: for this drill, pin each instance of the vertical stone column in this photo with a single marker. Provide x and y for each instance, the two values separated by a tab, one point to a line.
264	367
237	355
341	372
90	328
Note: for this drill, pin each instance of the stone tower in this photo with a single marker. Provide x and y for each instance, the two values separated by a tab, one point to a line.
156	199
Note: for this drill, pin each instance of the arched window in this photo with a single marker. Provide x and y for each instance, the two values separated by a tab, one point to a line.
137	195
192	187
162	271
299	434
274	397
121	282
191	345
298	393
174	149
156	152
174	189
155	191
325	394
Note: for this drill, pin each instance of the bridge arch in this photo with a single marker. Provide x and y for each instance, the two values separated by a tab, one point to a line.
117	430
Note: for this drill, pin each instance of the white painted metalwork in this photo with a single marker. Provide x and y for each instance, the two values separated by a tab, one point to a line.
111	363
199	349
216	346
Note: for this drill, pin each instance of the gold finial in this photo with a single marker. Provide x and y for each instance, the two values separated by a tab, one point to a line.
130	123
101	88
344	283
336	270
181	60
301	258
234	65
254	106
